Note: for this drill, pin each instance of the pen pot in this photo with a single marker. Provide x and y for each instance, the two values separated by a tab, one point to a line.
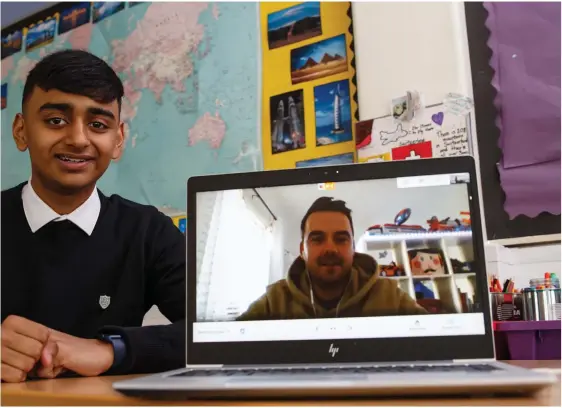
542	304
506	306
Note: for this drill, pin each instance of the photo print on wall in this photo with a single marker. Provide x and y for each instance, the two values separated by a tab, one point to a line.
104	9
294	24
338	159
76	15
319	60
4	96
287	122
333	113
11	43
41	33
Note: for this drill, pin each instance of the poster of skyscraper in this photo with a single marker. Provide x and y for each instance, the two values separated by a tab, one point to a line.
333	113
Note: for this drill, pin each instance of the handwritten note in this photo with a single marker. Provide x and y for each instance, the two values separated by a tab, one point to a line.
452	143
434	132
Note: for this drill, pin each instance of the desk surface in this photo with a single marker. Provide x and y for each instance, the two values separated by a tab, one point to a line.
99	391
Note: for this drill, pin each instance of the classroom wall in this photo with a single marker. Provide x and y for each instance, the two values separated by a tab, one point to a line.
402	46
522	264
424	46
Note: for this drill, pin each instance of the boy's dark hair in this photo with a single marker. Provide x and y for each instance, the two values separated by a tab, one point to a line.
75	72
327	204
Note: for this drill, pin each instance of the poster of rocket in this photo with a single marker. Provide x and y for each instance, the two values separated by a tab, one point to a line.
287	122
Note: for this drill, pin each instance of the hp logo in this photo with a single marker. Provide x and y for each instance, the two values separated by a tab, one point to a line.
333	350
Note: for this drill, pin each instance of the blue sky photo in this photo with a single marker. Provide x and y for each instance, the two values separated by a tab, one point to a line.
292	14
11	43
41	32
324	110
82	11
346	158
12	37
103	9
331	46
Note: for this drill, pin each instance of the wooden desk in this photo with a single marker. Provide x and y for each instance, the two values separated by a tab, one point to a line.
98	391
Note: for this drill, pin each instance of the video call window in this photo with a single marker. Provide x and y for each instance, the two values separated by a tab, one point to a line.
415	231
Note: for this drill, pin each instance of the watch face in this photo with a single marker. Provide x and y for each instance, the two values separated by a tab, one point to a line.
109	337
114	337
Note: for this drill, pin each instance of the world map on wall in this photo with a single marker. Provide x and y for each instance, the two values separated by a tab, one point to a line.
191	107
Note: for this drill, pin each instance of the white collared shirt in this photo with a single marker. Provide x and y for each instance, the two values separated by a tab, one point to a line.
38	213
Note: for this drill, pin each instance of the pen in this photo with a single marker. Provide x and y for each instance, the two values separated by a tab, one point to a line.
505	285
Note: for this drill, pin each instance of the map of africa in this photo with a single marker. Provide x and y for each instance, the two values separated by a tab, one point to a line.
191	107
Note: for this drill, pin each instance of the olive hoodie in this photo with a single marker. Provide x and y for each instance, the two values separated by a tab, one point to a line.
366	294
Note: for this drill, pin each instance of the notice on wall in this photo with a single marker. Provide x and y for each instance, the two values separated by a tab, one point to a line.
433	132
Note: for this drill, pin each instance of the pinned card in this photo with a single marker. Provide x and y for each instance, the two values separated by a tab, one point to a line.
405	107
458	104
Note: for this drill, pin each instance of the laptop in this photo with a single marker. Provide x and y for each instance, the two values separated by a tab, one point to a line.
349	280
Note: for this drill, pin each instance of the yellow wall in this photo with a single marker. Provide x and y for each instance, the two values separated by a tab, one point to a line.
276	74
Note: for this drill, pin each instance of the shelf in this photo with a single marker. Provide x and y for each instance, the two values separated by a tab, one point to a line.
428	277
395	247
395	277
452	237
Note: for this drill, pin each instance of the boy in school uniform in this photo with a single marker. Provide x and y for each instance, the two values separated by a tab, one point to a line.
80	269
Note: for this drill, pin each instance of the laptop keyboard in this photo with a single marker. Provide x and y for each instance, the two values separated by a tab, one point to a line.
444	368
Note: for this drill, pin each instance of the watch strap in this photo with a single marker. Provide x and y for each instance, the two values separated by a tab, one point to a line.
119	347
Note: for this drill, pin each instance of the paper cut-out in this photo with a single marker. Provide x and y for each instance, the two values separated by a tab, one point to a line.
437	118
389	137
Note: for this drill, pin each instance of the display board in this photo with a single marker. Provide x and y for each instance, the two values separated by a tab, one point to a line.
499	226
309	106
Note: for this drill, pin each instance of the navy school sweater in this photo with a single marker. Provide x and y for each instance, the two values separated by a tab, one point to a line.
135	256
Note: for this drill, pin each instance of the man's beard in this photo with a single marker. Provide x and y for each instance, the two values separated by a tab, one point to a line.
320	280
331	284
329	259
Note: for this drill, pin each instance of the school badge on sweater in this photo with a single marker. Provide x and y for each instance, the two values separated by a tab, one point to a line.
105	301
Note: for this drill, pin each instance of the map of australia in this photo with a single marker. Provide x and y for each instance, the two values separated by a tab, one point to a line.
191	107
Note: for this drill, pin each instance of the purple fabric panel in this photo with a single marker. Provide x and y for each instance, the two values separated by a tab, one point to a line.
526	57
532	189
525	44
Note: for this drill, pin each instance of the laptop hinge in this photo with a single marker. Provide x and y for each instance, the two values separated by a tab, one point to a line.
204	366
474	360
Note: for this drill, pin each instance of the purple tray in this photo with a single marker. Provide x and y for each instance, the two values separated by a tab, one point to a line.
528	340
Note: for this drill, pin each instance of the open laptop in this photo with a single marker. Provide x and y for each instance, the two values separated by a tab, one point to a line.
253	332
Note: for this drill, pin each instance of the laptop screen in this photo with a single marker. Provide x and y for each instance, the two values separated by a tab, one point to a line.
384	258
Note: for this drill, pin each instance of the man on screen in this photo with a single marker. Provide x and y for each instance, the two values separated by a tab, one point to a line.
330	279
